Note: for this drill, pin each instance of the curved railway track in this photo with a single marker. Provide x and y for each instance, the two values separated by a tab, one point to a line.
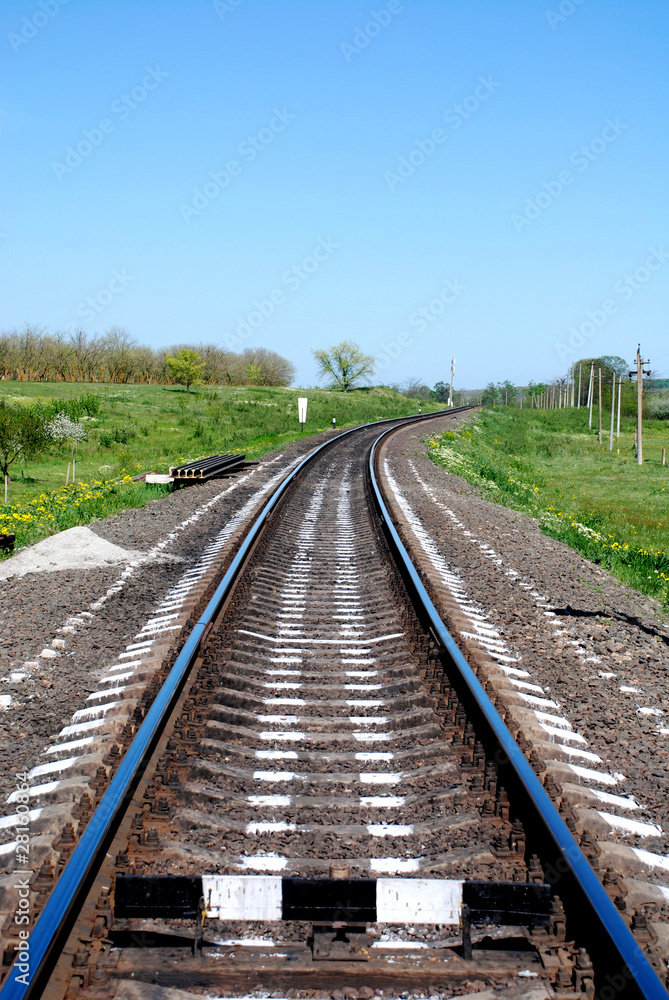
321	793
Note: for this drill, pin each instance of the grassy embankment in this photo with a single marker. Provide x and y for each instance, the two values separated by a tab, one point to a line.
142	427
601	503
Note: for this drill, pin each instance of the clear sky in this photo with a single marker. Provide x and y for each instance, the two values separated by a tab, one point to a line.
478	178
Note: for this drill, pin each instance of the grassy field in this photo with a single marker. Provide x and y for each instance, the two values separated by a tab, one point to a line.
150	427
548	464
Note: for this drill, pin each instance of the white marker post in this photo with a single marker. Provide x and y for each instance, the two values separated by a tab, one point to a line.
302	411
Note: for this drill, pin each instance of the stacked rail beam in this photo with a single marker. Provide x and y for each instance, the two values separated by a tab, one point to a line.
208	468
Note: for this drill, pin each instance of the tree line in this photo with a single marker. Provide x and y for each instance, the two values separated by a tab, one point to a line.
33	354
571	389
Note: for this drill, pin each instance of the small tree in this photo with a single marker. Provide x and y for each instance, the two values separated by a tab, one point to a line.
535	390
609	364
63	428
489	397
254	374
23	434
440	392
507	390
344	365
186	368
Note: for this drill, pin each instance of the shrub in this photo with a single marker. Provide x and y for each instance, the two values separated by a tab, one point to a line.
87	405
657	406
119	435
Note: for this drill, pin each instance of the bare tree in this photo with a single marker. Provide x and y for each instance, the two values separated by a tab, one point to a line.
32	353
59	356
87	355
119	354
344	365
269	368
8	353
149	364
29	352
414	388
222	366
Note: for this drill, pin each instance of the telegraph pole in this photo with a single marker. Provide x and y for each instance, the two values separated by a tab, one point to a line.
450	391
578	407
600	405
640	372
613	410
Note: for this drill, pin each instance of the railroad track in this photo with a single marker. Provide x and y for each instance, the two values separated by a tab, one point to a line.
321	793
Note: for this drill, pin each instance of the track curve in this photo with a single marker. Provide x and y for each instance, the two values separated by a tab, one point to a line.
319	724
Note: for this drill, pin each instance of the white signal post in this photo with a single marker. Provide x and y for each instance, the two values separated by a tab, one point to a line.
302	410
450	391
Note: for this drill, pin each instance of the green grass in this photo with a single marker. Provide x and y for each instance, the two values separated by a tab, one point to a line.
548	464
150	427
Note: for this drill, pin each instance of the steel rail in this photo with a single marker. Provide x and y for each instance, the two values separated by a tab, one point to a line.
624	957
58	915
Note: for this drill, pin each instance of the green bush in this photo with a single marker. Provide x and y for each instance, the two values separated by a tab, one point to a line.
87	405
657	406
119	435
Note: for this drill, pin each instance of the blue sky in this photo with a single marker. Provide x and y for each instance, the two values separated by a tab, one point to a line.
478	178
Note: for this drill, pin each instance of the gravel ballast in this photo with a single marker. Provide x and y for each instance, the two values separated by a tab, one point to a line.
47	666
579	661
570	642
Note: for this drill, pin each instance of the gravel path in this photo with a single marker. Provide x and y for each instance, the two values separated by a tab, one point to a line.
580	661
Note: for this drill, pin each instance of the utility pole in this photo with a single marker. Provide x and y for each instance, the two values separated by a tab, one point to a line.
600	405
613	409
450	391
578	407
620	391
640	372
591	392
